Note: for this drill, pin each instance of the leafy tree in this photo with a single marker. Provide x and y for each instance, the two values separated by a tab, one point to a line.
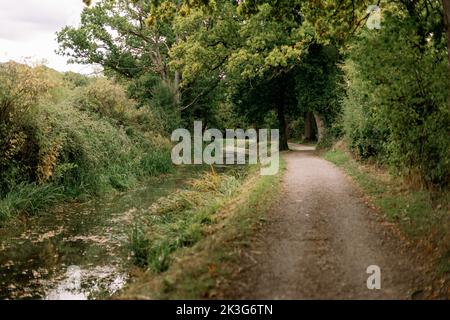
239	45
114	34
117	36
398	85
207	39
257	99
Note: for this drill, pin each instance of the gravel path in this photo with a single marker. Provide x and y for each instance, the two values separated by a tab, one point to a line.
320	239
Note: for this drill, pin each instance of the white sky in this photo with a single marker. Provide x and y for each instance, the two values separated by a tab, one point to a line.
28	27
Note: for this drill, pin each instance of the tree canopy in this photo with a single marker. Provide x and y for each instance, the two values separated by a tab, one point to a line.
264	63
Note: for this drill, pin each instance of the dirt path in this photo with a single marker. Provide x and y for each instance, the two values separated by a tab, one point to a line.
320	239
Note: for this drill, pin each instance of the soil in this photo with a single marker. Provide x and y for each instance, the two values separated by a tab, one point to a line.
319	240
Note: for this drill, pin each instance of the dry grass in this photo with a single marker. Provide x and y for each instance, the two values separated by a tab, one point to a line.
202	270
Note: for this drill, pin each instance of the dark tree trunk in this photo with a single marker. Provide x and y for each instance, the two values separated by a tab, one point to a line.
283	128
255	126
446	4
320	127
309	126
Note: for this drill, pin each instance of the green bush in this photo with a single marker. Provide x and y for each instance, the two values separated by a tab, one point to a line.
21	90
64	140
364	138
104	98
397	105
104	156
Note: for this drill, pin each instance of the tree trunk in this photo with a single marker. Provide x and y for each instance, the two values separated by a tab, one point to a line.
283	128
446	5
177	76
177	79
255	126
320	127
308	126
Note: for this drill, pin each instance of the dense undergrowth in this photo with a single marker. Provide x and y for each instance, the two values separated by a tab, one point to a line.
396	110
70	136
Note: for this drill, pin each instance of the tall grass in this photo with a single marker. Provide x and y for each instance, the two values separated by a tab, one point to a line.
73	142
94	158
29	198
179	220
227	227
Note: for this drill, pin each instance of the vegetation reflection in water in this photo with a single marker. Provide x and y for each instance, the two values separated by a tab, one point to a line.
77	251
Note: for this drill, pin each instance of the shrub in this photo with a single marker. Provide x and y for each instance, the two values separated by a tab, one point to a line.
57	142
397	105
155	162
21	90
104	98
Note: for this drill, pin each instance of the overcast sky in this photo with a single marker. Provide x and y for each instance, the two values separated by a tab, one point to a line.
28	27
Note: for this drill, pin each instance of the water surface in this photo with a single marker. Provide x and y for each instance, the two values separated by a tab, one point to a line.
77	250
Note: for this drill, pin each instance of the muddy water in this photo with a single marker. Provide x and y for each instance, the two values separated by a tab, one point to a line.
77	251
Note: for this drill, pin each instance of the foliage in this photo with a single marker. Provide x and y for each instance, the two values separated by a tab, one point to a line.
104	98
21	89
178	220
397	108
115	35
112	34
246	53
29	198
319	82
217	49
61	140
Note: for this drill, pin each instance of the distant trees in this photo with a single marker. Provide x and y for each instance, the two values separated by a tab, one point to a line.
251	48
117	36
264	62
320	89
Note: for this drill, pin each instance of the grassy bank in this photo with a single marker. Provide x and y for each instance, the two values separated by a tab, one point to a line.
422	215
190	242
62	139
82	156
